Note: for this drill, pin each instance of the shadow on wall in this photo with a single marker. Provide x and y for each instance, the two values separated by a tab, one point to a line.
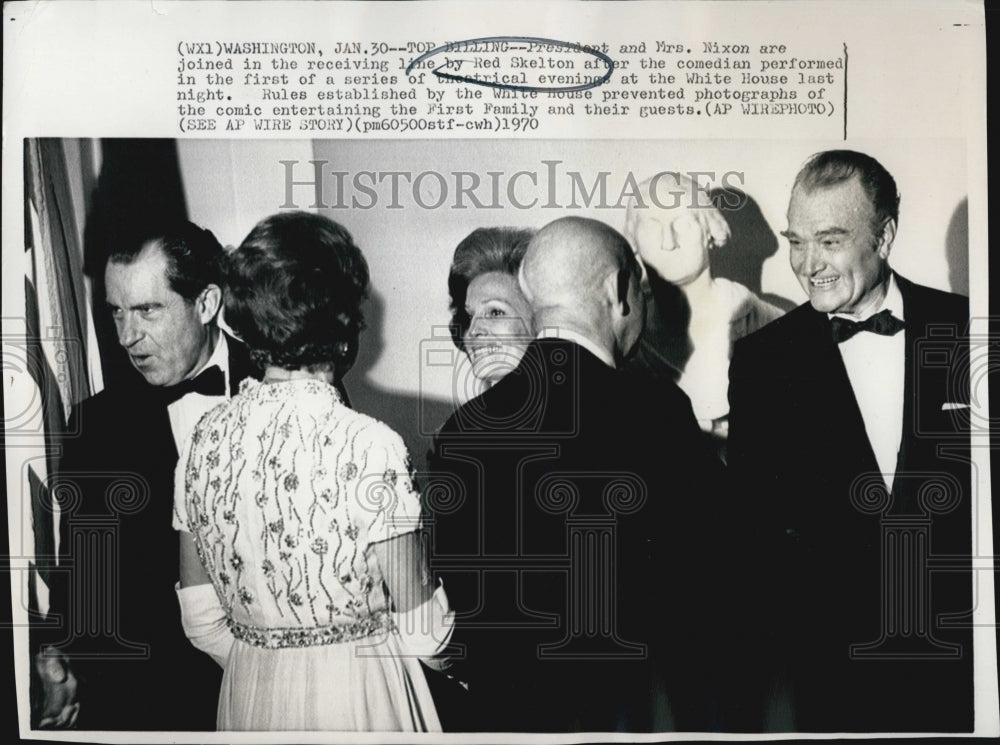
139	184
665	346
752	242
413	416
956	249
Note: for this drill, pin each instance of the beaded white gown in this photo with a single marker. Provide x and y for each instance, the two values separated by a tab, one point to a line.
284	489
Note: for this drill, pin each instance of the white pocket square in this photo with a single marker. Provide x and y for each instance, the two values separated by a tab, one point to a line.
950	406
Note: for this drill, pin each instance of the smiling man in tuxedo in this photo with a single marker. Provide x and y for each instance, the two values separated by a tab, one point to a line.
120	639
841	432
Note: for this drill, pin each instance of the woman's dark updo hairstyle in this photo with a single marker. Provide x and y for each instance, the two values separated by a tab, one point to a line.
293	292
482	251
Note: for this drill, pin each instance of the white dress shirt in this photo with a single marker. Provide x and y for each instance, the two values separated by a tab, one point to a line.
186	411
876	367
555	332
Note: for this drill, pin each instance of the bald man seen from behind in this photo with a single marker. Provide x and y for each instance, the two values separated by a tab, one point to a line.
572	541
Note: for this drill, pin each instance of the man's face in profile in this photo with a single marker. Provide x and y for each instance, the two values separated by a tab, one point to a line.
835	252
165	335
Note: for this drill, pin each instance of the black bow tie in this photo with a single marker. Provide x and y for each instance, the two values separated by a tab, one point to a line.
883	323
209	382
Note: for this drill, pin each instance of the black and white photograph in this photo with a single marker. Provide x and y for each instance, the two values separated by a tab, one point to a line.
320	424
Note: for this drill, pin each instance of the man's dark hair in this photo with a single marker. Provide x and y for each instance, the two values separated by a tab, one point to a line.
484	250
832	167
293	292
194	256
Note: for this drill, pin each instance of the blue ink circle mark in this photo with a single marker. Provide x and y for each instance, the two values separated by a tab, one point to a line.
455	46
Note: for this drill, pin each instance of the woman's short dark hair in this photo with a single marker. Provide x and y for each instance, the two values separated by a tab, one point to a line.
293	292
484	250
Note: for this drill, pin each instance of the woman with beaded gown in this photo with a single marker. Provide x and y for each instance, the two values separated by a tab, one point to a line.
302	572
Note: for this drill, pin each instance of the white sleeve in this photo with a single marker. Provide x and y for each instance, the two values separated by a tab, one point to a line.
204	621
386	500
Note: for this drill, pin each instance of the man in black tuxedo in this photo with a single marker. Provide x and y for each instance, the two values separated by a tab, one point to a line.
849	446
566	505
120	637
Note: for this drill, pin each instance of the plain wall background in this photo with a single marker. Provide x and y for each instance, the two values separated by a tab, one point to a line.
408	373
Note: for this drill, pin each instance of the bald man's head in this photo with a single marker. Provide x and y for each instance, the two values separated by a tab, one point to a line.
582	274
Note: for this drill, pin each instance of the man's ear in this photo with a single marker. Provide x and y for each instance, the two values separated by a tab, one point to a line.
886	238
208	303
622	279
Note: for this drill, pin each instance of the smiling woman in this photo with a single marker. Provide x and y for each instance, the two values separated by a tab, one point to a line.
491	319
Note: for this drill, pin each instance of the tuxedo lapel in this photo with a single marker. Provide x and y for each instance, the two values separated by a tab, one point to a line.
913	313
830	392
925	387
151	408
